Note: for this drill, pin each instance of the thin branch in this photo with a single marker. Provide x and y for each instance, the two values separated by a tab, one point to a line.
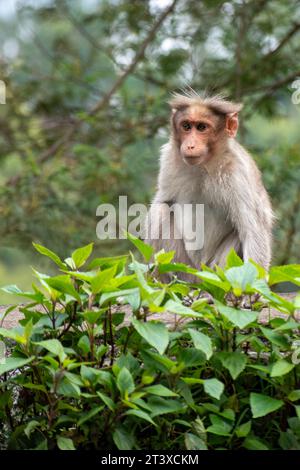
267	56
274	51
271	87
83	31
54	59
104	101
94	43
138	57
283	41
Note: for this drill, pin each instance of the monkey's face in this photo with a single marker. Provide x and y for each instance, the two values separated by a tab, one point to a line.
196	129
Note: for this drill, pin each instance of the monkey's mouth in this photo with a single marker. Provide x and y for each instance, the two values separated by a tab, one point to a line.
193	160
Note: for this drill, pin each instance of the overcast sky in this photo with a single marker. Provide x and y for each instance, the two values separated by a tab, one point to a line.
8	7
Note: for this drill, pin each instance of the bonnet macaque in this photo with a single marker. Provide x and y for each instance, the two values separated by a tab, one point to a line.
202	163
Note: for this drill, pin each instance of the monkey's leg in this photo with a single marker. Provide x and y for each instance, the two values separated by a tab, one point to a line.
230	241
162	233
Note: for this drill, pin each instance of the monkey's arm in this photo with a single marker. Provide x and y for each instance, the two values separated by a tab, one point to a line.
251	214
162	233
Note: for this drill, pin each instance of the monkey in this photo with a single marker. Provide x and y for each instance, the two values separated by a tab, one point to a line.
203	163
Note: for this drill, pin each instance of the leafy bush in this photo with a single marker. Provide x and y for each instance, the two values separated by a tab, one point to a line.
89	368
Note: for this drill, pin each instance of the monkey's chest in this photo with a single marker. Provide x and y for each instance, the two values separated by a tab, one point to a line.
204	224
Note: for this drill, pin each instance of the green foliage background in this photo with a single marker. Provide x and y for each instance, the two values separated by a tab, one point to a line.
87	86
92	366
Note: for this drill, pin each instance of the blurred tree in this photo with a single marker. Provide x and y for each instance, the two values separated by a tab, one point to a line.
87	86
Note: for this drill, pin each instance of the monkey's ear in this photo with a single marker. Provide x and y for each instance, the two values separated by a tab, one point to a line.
232	124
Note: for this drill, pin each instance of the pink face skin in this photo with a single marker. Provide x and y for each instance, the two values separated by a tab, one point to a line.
199	130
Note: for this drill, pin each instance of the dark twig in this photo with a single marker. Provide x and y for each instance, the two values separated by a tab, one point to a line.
283	41
72	319
138	57
111	336
104	101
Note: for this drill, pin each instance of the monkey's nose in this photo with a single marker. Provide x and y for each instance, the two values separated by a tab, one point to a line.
191	147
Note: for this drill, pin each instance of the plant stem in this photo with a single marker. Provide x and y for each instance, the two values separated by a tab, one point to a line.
112	345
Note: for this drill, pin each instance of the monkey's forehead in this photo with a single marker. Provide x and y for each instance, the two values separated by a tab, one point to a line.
195	113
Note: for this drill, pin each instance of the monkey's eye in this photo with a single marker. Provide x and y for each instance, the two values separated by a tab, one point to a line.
186	126
201	127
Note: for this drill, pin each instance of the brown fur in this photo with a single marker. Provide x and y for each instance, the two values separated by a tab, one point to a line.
224	178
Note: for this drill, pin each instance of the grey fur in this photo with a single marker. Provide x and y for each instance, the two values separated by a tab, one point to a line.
238	211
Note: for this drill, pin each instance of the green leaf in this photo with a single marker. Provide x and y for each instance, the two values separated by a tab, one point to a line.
160	390
244	429
154	359
146	289
44	251
164	258
213	387
213	279
13	334
253	443
156	334
156	298
93	316
14	290
235	362
80	255
123	439
276	300
233	259
294	395
28	330
193	442
199	428
141	415
239	318
125	382
68	389
281	367
84	344
161	406
32	386
261	405
43	445
54	346
288	441
70	263
242	277
176	267
176	307
65	443
109	261
275	338
126	294
219	426
107	400
102	279
202	342
31	426
192	380
297	301
290	324
144	249
86	276
87	415
290	272
63	284
12	363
